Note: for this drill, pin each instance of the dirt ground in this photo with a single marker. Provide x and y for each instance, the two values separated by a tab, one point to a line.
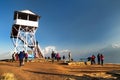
59	71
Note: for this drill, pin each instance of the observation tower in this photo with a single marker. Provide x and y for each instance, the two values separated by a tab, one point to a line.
23	33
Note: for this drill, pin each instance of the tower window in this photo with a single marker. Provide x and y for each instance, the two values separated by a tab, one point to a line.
22	16
32	18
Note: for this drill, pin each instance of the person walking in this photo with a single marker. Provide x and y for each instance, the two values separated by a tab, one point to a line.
21	57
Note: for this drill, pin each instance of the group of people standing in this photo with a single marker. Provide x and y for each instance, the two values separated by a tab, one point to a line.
100	59
57	56
21	57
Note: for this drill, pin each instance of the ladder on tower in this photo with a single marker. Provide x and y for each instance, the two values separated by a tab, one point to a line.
38	50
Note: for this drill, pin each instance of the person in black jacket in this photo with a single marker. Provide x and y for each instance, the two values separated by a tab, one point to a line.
53	56
98	57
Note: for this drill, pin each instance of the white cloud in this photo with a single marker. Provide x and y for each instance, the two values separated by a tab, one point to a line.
116	45
48	50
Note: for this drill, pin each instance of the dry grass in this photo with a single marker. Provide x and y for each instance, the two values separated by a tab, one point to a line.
56	71
7	76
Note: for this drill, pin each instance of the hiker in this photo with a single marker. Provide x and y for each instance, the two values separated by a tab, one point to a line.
13	57
69	56
53	56
63	57
58	57
102	59
93	60
26	57
89	58
16	56
21	57
98	57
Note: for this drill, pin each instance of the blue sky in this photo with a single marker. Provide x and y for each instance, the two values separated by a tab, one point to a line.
76	25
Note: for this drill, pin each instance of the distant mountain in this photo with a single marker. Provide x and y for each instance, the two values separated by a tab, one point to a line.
112	54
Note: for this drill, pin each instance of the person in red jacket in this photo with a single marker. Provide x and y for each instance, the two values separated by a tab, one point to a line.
16	56
26	57
93	59
102	59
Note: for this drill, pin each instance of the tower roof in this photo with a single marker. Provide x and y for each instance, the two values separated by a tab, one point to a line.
27	11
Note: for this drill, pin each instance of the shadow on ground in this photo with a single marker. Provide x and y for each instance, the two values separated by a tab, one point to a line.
115	73
73	77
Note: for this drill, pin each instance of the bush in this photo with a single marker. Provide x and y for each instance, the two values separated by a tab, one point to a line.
7	76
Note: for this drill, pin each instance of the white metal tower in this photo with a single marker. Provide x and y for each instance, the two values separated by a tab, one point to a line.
23	32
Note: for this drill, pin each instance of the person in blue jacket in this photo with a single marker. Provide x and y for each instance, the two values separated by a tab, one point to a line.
21	57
